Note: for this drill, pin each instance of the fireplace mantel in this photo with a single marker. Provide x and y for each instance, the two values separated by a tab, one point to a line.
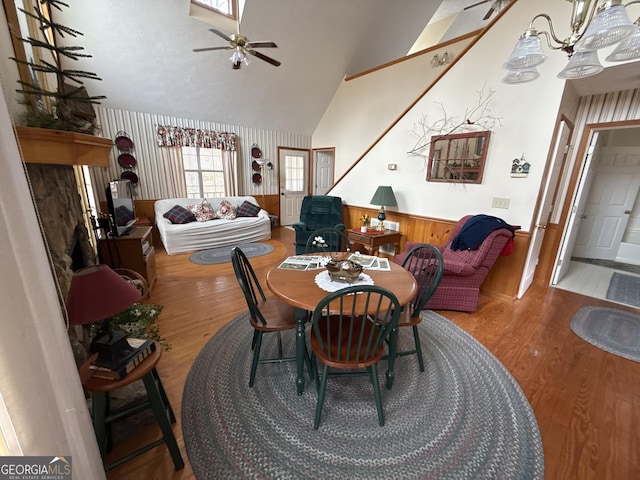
42	145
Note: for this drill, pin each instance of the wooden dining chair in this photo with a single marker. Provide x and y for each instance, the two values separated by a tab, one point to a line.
334	239
267	314
348	336
424	261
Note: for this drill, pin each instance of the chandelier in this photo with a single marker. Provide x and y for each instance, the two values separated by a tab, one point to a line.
594	25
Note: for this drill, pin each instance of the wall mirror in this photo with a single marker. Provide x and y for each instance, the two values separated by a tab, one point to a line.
458	158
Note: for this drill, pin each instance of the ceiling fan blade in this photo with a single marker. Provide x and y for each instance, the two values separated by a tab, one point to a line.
221	34
207	49
476	4
261	56
489	13
261	45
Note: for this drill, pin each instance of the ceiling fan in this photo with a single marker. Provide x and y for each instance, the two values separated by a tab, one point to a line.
496	6
241	47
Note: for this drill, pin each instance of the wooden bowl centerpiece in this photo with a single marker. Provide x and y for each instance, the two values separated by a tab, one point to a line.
344	270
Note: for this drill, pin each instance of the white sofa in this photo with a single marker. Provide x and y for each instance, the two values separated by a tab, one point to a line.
188	237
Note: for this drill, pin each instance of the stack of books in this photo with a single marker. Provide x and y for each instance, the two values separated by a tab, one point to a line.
140	349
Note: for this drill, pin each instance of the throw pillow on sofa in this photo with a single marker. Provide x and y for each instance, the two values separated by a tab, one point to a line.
227	210
247	209
179	214
203	211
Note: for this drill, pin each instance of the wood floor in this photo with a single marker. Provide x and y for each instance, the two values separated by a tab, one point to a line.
586	401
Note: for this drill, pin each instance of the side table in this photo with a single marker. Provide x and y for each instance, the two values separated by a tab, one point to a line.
372	241
156	400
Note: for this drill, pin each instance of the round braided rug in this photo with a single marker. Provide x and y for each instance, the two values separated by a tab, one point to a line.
212	256
464	417
614	331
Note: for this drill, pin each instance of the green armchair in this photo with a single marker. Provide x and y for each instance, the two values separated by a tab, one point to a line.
317	211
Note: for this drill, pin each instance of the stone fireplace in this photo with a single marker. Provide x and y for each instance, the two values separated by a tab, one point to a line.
61	219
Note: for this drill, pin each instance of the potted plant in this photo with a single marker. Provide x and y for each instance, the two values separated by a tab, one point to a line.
141	321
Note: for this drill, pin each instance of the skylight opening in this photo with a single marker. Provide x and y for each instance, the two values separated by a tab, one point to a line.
223	7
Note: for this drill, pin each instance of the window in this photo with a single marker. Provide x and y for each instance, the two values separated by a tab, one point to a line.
294	173
225	7
203	172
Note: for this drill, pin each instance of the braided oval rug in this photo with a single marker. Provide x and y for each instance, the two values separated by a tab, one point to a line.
464	417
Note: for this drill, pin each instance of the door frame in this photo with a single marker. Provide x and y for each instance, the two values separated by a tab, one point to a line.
314	170
546	202
551	243
308	174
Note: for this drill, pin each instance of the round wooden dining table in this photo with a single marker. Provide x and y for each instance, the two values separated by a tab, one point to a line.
299	289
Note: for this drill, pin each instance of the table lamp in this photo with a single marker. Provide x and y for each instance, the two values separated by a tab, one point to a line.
95	295
385	198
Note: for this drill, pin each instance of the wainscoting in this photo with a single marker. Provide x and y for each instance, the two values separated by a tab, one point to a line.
501	283
503	279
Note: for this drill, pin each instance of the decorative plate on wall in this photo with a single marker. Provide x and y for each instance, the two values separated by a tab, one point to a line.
123	142
131	176
257	178
256	152
126	160
255	165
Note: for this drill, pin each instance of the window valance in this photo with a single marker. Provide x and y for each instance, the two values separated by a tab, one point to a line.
168	136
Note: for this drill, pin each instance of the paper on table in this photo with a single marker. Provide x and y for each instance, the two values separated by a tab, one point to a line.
300	262
370	262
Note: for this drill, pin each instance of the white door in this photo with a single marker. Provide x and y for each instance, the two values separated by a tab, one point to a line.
609	203
293	165
323	170
560	155
573	224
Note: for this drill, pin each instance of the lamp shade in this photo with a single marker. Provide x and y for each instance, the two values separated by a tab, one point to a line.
628	49
610	25
526	54
521	76
384	196
97	293
582	64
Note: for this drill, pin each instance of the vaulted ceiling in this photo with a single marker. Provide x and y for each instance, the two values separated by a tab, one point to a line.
143	52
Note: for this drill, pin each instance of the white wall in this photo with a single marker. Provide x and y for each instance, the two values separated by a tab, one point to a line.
527	114
39	383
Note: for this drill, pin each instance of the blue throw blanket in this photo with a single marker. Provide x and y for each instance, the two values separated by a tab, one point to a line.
476	229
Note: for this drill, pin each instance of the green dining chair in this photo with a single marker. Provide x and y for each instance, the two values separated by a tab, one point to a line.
424	261
349	328
334	239
267	314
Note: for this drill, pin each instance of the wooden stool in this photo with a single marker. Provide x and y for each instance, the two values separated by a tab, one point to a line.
156	400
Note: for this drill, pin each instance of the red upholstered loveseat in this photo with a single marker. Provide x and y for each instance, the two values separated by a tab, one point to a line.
464	270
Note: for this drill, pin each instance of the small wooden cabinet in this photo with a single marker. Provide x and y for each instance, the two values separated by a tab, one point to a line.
373	240
134	251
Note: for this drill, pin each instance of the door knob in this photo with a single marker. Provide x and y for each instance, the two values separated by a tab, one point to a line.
627	212
583	216
540	226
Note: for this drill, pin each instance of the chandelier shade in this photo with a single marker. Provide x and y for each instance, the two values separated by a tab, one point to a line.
527	53
521	76
582	64
610	25
595	24
628	49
